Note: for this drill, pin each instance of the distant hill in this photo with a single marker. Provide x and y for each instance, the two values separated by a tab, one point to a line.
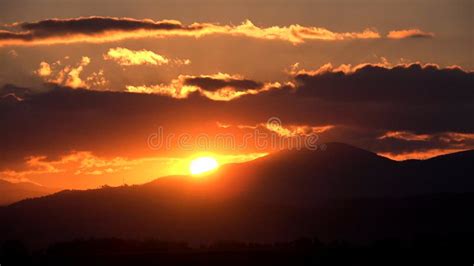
340	193
13	192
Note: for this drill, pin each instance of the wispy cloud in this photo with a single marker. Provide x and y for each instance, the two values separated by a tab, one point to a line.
86	164
405	135
108	29
70	76
127	57
218	87
409	33
418	155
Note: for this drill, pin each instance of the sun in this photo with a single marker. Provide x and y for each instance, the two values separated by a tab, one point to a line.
202	165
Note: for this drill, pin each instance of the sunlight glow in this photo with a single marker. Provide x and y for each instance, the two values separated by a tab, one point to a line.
202	165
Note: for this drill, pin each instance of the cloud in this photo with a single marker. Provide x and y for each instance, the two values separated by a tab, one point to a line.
400	84
295	69
96	80
126	57
294	33
454	139
76	163
44	70
70	76
418	155
10	92
79	162
13	53
86	29
82	165
36	165
18	180
409	33
218	87
369	82
274	125
402	145
109	29
405	135
387	109
219	81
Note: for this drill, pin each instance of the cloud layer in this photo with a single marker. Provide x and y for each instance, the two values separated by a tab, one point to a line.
218	87
108	29
407	109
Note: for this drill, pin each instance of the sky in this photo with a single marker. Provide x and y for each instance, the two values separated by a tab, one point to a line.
113	92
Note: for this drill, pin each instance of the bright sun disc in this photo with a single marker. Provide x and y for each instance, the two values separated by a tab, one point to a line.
202	165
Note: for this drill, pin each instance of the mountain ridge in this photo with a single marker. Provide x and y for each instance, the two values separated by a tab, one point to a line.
13	192
271	198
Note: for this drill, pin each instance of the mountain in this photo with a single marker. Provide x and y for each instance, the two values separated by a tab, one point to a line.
340	193
340	171
13	192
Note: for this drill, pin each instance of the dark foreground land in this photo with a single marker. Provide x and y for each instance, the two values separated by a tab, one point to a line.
423	250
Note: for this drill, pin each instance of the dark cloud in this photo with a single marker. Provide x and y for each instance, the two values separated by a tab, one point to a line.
75	29
212	84
95	25
13	90
413	84
8	35
385	110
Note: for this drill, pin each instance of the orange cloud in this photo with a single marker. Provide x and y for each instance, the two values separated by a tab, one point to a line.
457	137
230	87
275	125
226	87
295	69
109	29
448	142
295	130
73	80
447	137
126	57
409	33
405	135
293	33
418	155
35	165
84	164
44	70
71	76
20	180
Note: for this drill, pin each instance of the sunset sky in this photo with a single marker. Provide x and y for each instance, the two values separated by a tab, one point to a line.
102	92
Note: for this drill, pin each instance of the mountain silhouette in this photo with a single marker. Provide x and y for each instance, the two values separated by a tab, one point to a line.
340	171
341	192
13	192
